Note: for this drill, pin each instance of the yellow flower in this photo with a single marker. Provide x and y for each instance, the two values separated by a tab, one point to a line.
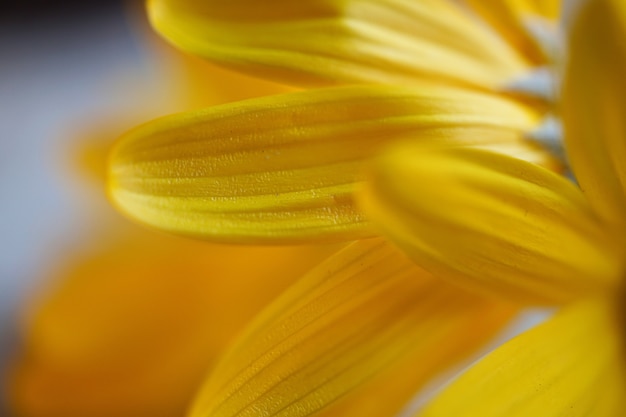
516	222
283	169
368	326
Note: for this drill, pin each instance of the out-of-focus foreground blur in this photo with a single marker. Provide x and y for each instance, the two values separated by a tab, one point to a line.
98	316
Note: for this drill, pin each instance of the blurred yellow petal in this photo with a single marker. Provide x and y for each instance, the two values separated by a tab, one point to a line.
491	222
283	168
131	329
357	314
594	105
572	366
208	85
321	42
459	336
510	18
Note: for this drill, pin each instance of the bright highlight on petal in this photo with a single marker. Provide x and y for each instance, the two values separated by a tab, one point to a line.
284	168
491	222
594	104
358	314
321	42
572	365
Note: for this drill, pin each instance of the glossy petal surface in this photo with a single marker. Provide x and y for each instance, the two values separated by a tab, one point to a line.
572	366
360	313
283	168
491	222
320	42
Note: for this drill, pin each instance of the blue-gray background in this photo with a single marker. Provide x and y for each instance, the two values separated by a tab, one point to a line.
57	63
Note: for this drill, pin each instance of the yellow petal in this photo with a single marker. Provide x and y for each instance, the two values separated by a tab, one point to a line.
315	42
283	168
511	17
123	322
491	222
352	317
594	106
389	393
572	366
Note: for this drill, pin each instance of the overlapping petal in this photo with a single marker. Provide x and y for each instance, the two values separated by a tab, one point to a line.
491	222
283	168
593	106
321	42
352	317
572	365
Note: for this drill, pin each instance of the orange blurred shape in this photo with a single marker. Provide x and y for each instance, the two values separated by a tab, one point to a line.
132	330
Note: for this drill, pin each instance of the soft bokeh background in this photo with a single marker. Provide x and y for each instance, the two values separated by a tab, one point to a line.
86	296
60	64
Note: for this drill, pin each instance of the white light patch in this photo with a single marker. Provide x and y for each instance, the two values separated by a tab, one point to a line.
539	83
